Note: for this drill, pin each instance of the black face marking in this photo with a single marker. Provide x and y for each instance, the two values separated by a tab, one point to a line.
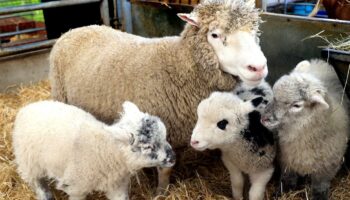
256	133
239	92
147	130
153	155
257	101
222	124
265	102
258	91
170	155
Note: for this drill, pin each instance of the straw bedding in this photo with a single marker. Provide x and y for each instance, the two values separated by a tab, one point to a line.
202	178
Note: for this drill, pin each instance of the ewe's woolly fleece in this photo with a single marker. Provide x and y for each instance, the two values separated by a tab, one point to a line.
97	68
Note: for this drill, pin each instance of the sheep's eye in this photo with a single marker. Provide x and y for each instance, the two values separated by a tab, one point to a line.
222	124
214	35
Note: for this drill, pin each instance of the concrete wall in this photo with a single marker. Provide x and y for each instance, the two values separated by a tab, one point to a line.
23	69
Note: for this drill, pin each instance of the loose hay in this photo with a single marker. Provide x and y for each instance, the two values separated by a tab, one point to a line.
202	178
342	43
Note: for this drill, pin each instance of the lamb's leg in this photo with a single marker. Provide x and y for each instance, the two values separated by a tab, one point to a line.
74	193
42	189
258	184
320	187
237	179
120	193
76	197
163	179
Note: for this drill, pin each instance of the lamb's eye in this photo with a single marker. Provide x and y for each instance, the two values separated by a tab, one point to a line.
296	106
214	35
151	147
222	124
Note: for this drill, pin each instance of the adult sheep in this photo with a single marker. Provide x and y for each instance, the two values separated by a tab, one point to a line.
97	68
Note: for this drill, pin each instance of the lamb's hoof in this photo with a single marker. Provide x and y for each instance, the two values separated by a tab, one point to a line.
320	195
161	192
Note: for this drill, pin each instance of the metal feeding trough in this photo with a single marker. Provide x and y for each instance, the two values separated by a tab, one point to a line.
340	60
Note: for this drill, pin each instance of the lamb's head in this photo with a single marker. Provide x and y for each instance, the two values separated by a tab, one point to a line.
221	118
147	137
224	34
298	99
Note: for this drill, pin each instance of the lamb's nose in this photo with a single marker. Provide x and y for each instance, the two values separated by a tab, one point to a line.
264	119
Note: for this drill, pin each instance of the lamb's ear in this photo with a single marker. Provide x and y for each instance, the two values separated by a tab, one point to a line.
302	66
189	18
130	107
318	100
125	137
252	104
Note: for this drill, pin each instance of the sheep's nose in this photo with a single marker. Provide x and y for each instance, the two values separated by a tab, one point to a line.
194	143
256	68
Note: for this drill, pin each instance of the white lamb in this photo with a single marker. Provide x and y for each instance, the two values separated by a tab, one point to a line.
228	123
312	125
55	141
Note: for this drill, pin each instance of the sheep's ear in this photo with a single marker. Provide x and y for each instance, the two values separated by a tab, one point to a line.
251	3
189	18
318	100
130	107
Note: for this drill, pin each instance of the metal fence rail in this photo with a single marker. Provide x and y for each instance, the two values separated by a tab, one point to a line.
53	4
26	47
21	32
6	51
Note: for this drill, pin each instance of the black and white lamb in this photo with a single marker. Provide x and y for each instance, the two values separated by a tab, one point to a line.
228	123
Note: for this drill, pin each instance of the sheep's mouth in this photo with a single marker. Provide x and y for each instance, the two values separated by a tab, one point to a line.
200	148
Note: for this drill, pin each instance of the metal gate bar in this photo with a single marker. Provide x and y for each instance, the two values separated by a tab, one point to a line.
53	4
104	7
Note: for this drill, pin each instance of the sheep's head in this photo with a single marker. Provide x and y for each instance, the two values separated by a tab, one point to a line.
147	137
224	34
299	98
221	118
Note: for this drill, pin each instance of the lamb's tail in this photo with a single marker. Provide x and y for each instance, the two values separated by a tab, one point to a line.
316	8
56	76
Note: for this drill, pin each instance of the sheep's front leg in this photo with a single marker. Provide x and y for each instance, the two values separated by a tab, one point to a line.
119	193
320	187
258	184
237	179
163	179
289	181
